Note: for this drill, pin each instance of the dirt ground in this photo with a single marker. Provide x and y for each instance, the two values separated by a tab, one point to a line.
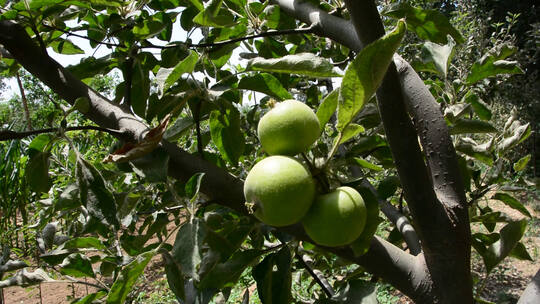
504	285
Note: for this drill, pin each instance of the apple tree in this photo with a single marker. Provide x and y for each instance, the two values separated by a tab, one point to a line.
197	76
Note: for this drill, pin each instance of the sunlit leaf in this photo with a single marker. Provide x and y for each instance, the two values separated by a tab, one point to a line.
510	236
76	265
521	164
128	277
365	164
493	63
511	202
265	83
166	78
429	25
364	75
306	64
439	55
66	47
327	108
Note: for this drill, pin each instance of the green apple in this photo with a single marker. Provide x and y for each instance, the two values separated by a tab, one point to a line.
291	127
336	218
281	190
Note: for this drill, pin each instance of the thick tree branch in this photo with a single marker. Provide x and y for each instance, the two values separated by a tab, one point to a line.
400	221
383	259
440	227
531	295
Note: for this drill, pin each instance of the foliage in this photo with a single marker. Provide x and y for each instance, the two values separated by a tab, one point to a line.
208	102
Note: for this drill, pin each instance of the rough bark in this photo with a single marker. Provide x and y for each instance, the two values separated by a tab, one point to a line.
438	207
383	259
531	295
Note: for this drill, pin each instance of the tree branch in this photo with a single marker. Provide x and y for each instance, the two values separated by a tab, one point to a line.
11	135
24	102
400	221
447	253
531	295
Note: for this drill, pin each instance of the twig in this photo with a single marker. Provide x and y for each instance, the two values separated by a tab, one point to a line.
317	275
128	76
24	101
10	135
148	45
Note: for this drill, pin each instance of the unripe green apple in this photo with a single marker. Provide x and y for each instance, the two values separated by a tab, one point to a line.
291	127
281	189
336	218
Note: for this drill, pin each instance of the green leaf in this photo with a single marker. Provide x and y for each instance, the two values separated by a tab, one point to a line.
77	265
90	67
265	83
518	135
273	277
149	28
66	47
95	196
85	242
39	143
364	163
82	104
306	64
365	73
180	126
152	167
439	55
37	172
520	252
174	275
187	246
510	236
227	274
465	126
388	186
128	276
511	202
429	25
166	78
480	107
140	89
89	299
367	144
213	16
493	63
478	152
193	186
361	245
354	292
350	131
327	108
522	163
227	134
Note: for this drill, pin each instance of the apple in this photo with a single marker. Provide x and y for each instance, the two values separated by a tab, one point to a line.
291	127
336	218
281	190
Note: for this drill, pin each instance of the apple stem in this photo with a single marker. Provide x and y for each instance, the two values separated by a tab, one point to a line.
317	174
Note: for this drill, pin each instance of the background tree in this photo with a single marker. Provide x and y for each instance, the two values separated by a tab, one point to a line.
426	156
